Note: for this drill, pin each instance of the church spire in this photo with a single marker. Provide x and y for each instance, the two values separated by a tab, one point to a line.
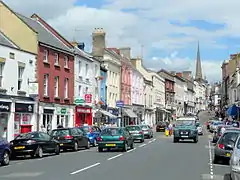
198	75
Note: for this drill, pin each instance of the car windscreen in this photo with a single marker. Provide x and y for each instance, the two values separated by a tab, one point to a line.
28	136
185	123
133	128
60	132
144	127
228	136
111	132
85	129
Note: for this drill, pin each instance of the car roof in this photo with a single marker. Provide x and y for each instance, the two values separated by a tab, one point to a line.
232	130
186	119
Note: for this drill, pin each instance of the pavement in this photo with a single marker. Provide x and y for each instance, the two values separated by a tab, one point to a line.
157	158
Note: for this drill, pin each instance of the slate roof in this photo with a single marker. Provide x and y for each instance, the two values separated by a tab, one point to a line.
5	41
44	36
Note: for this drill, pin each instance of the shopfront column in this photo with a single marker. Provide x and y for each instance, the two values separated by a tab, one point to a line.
6	129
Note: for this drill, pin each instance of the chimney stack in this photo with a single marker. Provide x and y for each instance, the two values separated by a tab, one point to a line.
126	52
187	75
98	42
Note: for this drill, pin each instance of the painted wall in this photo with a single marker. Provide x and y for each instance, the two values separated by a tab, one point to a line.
137	90
126	78
49	68
103	87
17	30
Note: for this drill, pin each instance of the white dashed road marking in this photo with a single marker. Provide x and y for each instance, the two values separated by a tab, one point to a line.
131	150
84	169
210	160
142	145
114	157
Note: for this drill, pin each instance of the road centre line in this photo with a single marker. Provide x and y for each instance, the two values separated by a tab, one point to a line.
142	145
84	169
114	157
131	150
210	160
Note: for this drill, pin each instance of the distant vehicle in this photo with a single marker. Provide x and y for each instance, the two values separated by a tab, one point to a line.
218	133
92	132
234	161
214	125
185	128
71	138
5	152
199	128
225	144
136	132
115	137
147	131
161	126
34	144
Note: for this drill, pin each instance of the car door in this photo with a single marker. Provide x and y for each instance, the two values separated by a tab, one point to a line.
44	141
76	135
128	137
84	138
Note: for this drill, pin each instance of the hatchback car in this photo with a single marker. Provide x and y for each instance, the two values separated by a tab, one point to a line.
117	138
136	132
161	126
71	138
147	131
34	144
235	161
224	146
92	132
5	152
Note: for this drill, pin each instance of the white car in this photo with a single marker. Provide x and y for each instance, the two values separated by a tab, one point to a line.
199	128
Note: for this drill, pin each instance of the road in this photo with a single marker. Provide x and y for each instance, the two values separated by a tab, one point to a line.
158	158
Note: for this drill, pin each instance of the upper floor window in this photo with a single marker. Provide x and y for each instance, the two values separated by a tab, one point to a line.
1	74
66	86
66	62
20	77
45	84
80	91
79	68
45	55
86	90
56	86
56	59
96	70
86	70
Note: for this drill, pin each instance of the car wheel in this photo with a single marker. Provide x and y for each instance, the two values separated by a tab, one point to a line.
142	140
88	145
57	150
125	148
100	149
39	152
6	158
94	143
132	145
75	146
175	140
195	140
216	159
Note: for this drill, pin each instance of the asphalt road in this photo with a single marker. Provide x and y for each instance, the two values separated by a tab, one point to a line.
158	158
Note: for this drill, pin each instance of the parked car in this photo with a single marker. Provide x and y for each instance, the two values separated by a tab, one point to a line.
224	146
214	125
71	138
147	131
161	126
217	134
137	132
92	132
234	161
34	144
115	137
5	152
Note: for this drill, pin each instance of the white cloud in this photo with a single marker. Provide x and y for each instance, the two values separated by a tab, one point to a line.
136	29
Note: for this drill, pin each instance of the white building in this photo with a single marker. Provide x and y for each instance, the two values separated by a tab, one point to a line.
17	74
216	95
87	71
200	91
180	94
191	98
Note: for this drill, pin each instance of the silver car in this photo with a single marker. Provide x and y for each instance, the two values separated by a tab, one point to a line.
224	146
147	131
235	161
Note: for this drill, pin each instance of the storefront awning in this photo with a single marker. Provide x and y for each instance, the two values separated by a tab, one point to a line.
130	113
166	111
107	114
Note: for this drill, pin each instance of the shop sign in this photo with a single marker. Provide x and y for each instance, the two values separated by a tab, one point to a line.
119	103
62	111
79	101
24	108
33	88
88	98
83	110
5	106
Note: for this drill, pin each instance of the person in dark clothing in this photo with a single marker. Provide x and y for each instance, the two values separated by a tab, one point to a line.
60	126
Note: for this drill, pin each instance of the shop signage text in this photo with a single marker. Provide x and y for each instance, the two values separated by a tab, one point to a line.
120	103
24	108
79	101
5	106
83	110
88	98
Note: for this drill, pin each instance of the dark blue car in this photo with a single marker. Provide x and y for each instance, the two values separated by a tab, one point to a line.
92	132
4	152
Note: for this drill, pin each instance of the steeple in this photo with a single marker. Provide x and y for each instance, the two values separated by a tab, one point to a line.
198	75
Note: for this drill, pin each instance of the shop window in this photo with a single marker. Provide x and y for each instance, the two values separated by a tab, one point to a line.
3	125
1	74
62	120
21	119
47	121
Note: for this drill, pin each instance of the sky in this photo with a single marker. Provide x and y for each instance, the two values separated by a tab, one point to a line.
164	32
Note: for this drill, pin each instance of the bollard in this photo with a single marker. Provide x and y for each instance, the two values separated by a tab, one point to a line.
166	132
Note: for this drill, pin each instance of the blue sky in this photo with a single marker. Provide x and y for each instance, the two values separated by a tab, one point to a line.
168	30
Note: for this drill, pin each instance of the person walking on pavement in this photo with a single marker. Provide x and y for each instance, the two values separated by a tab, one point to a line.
43	129
170	127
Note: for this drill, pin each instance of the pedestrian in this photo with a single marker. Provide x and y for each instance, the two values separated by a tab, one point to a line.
42	128
170	127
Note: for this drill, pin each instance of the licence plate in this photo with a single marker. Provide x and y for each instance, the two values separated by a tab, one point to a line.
228	154
184	136
111	145
161	128
61	144
19	147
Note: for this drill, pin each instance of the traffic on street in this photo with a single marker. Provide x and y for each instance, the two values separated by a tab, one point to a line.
156	157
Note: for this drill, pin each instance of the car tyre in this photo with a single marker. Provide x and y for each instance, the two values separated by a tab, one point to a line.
6	158
125	148
100	149
39	152
57	150
88	145
142	140
216	159
94	143
75	146
175	140
195	140
132	145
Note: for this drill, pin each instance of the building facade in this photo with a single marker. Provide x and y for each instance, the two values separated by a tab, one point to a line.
103	87
17	109
180	95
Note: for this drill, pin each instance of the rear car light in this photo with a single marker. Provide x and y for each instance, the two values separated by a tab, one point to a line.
140	132
221	146
99	139
68	137
31	141
121	138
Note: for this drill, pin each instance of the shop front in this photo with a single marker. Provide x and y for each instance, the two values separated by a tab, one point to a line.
139	111
47	118
23	118
63	116
83	115
129	117
5	109
114	115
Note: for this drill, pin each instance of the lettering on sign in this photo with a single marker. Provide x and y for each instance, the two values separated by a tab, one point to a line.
88	98
4	107
80	110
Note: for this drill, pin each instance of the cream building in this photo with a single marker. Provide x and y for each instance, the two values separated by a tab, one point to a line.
149	113
200	95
